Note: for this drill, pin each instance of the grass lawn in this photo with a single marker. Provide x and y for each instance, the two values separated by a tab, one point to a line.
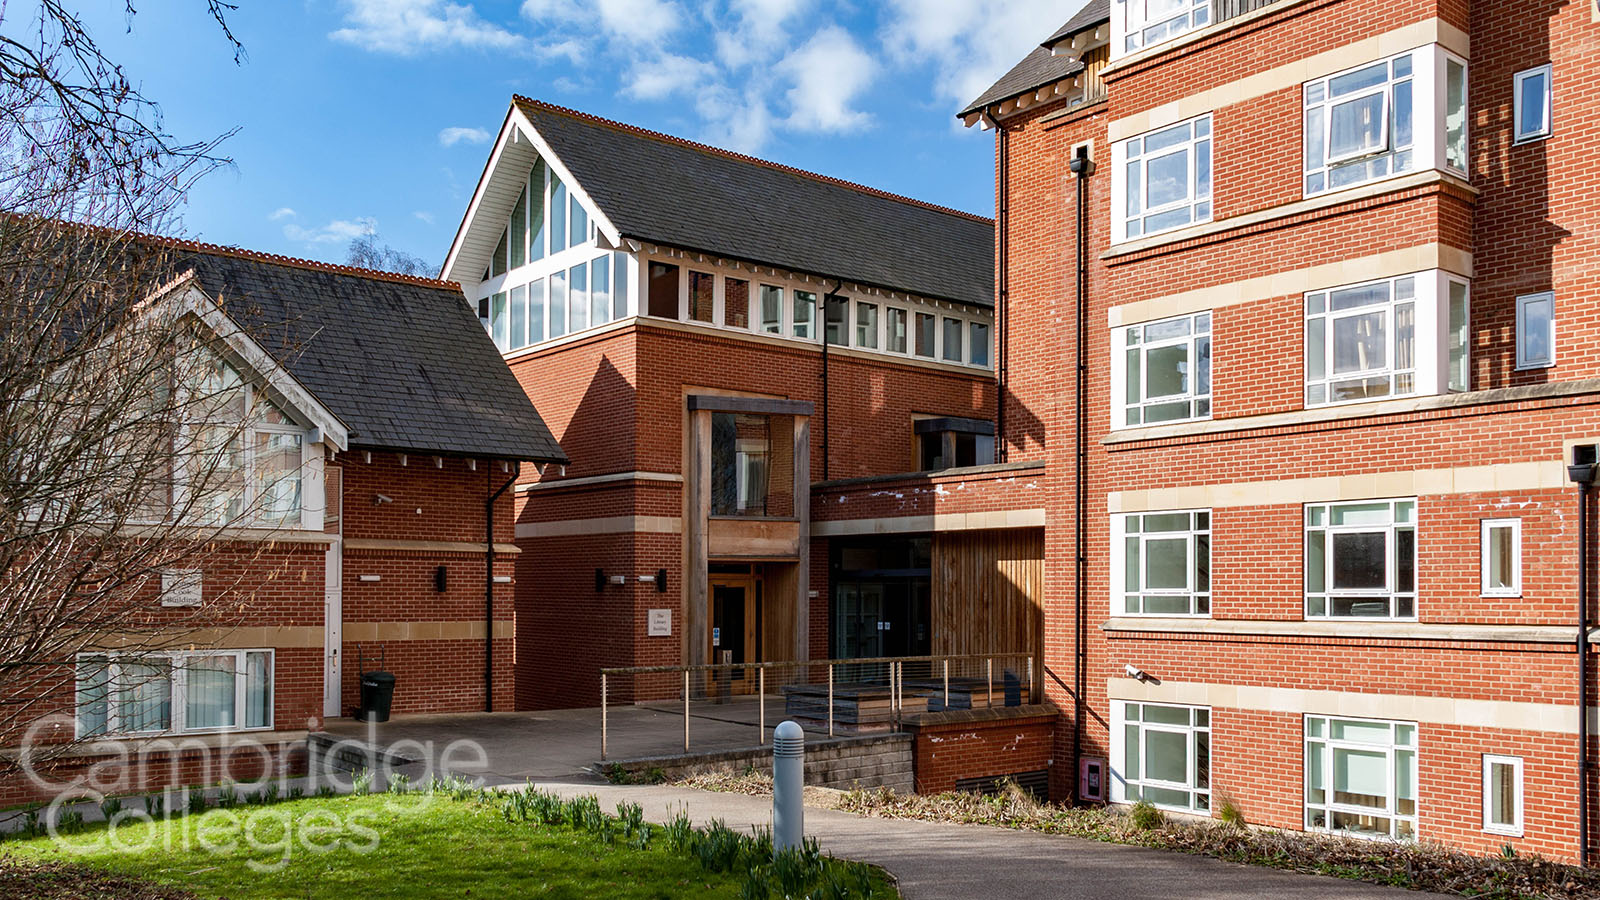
384	845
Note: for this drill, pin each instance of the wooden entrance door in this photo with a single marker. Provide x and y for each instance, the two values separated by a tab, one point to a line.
734	631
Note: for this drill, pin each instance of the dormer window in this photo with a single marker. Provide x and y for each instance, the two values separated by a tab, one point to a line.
1144	23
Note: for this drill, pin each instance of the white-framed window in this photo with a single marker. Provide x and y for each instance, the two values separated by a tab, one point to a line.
1536	331
1161	563
1397	337
1161	180
772	309
1361	777
1161	754
927	338
1532	107
252	464
1161	371
951	340
174	692
1502	794
1361	559
978	343
1384	118
867	325
895	330
805	315
1501	557
1144	23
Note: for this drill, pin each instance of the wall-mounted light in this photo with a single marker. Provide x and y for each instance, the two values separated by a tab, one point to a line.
369	577
502	579
439	578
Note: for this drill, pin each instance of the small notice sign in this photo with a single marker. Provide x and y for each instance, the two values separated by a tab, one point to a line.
180	587
660	623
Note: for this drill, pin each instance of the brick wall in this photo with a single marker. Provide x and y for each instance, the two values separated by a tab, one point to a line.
1529	222
982	744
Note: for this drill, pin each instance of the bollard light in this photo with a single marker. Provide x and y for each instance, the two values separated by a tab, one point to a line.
788	786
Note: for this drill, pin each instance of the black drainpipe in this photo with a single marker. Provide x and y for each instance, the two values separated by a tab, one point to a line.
488	580
1002	286
822	325
1081	167
1582	473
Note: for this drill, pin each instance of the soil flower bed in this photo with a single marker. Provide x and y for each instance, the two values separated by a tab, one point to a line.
1420	866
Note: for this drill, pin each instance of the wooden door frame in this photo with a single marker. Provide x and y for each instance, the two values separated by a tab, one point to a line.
752	633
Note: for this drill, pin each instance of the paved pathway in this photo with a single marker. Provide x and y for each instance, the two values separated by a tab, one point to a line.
963	862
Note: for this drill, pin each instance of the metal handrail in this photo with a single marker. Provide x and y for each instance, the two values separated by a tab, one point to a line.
896	666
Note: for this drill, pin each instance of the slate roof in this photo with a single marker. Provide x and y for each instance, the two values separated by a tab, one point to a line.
402	361
671	191
1093	13
1039	67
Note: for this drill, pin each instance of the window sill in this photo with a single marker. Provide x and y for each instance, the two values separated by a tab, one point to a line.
1325	200
1320	414
1335	628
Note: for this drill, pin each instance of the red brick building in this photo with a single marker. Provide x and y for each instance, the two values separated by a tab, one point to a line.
708	336
1306	283
371	525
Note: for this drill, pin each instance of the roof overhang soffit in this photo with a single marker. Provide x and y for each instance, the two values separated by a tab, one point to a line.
515	149
990	115
183	296
1075	45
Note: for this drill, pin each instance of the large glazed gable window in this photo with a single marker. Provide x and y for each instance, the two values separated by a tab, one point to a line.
1386	118
1361	777
1161	371
1398	337
1162	755
1161	564
1361	560
251	457
1143	23
1161	180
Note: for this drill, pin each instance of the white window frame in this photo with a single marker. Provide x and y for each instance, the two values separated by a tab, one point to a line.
1484	552
1394	759
179	697
1402	516
1129	528
1130	153
1126	790
247	433
1515	827
1546	128
1129	339
1431	144
1131	21
1435	294
1524	360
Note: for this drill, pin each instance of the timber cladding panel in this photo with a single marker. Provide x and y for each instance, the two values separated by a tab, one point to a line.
988	588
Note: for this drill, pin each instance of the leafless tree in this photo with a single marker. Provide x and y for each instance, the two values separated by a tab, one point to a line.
122	421
370	252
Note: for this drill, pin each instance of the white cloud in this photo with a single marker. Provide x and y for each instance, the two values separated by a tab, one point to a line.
828	73
640	20
337	231
449	137
282	212
423	217
667	75
970	43
407	27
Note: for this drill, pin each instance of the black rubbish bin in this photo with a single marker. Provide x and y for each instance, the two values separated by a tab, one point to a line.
377	692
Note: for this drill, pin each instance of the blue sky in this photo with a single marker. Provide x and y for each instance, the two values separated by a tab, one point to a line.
379	112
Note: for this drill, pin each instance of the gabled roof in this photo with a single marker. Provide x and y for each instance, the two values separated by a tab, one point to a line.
402	361
1093	13
655	188
1041	66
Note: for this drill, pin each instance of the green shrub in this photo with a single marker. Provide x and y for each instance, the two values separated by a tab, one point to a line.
1229	813
1146	817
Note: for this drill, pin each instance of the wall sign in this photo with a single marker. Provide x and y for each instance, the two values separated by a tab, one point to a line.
660	623
180	587
1092	779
